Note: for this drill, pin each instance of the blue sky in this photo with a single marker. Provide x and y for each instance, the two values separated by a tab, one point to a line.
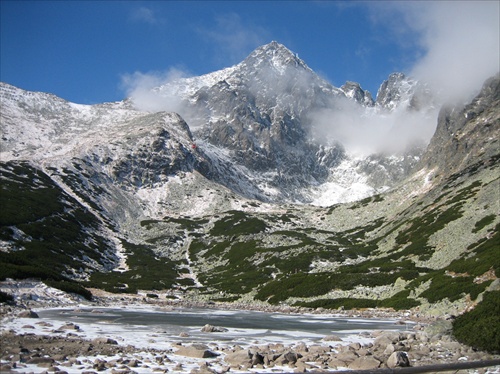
83	51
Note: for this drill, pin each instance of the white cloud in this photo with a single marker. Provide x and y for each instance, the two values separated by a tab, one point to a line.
140	88
144	14
364	131
462	40
456	42
233	38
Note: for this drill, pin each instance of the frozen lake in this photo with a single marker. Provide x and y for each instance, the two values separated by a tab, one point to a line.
144	326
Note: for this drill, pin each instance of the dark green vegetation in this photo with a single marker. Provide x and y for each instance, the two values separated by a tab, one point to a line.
52	234
272	256
5	297
480	328
146	272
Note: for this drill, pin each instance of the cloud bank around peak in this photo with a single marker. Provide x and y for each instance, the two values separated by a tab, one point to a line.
458	41
455	48
141	88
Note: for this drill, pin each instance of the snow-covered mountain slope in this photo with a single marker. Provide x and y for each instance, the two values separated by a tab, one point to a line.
264	113
253	126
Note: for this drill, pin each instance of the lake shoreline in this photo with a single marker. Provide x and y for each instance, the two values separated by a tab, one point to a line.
427	340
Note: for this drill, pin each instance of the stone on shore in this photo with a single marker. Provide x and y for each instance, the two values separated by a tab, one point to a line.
398	359
364	363
104	341
241	358
27	314
210	328
196	351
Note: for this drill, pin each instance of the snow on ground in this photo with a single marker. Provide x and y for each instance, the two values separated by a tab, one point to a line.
113	322
345	185
99	322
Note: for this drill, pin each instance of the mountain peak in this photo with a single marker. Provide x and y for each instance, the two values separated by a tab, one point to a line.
274	46
276	55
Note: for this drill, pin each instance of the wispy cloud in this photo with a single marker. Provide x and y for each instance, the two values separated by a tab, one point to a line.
233	38
140	88
462	42
455	44
452	46
144	14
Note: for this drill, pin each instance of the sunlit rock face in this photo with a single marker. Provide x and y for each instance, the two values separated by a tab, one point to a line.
466	134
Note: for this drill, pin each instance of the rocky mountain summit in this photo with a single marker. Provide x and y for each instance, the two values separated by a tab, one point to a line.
253	191
263	111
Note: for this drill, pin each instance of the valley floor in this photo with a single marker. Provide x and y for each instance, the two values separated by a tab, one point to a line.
35	345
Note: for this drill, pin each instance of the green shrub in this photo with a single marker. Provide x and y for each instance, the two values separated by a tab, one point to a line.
485	221
453	288
399	301
238	223
146	271
480	328
70	287
346	303
485	257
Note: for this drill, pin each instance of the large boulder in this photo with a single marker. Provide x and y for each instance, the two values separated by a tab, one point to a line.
28	314
398	359
103	340
210	328
364	363
239	358
196	351
288	358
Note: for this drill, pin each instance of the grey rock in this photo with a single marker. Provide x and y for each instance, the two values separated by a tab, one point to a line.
41	361
288	358
389	349
354	91
239	358
28	314
364	363
196	351
104	340
450	155
347	357
398	359
210	328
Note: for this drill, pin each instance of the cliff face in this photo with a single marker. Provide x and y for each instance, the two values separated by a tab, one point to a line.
466	135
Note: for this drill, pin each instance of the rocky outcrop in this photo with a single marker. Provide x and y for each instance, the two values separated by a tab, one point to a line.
28	314
398	359
401	91
196	351
466	135
354	91
210	328
258	111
